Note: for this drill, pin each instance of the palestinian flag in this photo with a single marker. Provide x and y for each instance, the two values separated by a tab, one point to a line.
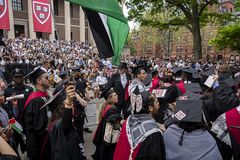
15	125
108	25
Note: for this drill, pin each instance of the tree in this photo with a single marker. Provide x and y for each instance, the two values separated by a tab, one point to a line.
237	6
228	37
192	14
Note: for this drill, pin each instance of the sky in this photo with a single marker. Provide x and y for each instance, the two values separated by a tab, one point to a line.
131	24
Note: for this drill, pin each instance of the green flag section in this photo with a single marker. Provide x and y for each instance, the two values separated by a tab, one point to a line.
16	126
108	25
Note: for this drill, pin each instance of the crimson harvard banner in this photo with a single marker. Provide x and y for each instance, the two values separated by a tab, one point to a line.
4	15
42	16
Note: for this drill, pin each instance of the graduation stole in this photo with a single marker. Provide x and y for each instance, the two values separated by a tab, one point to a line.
233	124
34	95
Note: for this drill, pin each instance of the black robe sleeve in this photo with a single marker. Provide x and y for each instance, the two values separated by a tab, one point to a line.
35	122
152	148
67	121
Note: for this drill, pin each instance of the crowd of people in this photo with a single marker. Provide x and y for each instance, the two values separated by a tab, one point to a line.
149	108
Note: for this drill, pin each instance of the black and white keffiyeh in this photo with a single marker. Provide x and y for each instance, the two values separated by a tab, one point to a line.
138	128
219	127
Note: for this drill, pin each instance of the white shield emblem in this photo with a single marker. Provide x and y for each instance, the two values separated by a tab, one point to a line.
41	11
3	7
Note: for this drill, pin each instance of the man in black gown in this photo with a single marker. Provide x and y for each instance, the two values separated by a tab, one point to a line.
36	119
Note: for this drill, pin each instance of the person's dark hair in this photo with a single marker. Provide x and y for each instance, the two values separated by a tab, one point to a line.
57	113
191	126
138	71
167	79
149	102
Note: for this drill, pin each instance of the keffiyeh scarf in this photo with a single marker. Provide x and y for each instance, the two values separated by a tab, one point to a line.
219	127
138	128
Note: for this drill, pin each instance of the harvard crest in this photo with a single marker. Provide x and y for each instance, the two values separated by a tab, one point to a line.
42	11
3	7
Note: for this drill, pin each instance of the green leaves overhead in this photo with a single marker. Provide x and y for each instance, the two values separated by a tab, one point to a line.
228	37
165	13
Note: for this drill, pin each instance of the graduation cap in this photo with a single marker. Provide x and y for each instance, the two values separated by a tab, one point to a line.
55	100
123	65
137	69
17	72
106	92
190	96
38	71
188	110
63	74
172	94
193	87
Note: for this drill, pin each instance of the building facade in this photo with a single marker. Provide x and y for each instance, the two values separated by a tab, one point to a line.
68	21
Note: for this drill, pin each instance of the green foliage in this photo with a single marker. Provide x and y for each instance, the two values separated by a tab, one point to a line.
228	37
175	13
237	6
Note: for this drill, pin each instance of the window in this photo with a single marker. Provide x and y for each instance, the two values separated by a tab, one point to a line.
71	10
55	7
17	5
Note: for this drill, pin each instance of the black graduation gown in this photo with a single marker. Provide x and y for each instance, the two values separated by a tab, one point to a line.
103	150
35	124
224	98
26	90
64	141
152	148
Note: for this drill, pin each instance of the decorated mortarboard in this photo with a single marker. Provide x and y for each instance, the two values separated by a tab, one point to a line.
38	71
230	82
55	100
137	69
188	110
193	87
159	93
106	92
17	71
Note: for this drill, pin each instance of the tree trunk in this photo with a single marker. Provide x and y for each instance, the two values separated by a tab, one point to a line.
196	33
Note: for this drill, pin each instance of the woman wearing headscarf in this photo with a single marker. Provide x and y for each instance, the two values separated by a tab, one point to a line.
109	127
